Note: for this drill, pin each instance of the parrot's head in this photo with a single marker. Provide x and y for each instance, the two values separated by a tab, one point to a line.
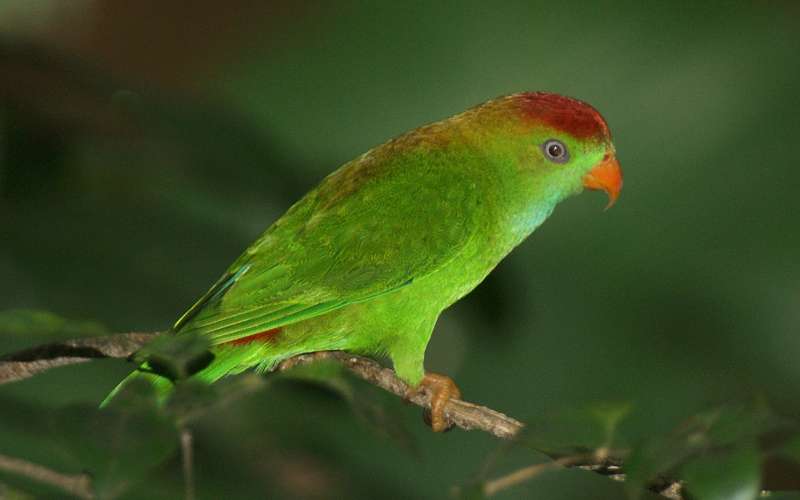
568	145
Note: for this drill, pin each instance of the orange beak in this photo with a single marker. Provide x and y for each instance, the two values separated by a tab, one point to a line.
607	176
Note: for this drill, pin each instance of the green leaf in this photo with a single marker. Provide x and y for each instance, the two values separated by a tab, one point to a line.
790	448
733	424
234	386
192	397
176	357
371	404
730	475
39	326
610	414
567	430
116	447
660	455
472	491
137	394
9	493
324	373
708	434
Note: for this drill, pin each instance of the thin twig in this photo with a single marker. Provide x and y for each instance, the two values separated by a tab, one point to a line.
28	362
518	476
187	453
79	485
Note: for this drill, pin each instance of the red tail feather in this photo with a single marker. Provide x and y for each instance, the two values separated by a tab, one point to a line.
258	337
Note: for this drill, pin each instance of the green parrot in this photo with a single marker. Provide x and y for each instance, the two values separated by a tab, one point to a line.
368	260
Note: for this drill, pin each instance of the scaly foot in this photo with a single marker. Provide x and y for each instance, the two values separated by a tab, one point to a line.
441	388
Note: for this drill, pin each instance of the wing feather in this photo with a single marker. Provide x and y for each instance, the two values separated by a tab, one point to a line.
368	229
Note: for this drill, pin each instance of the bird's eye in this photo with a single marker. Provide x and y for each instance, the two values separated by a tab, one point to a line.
555	151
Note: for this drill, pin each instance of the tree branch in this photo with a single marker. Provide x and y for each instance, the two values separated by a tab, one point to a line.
77	484
28	362
468	416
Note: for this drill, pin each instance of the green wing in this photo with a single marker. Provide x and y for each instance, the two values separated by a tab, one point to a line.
368	229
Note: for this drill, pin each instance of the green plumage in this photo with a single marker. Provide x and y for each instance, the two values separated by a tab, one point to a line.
367	260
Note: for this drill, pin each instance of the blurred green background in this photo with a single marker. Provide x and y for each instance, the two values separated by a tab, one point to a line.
144	145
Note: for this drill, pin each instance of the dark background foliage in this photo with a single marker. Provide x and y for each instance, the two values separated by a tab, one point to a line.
144	145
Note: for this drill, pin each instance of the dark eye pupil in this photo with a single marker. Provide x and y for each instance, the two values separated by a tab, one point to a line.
555	151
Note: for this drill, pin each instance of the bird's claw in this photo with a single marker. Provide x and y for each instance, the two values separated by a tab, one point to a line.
442	389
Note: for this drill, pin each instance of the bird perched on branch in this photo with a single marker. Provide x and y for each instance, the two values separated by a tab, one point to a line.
367	260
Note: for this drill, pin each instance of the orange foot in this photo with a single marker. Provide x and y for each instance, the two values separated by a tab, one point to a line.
442	388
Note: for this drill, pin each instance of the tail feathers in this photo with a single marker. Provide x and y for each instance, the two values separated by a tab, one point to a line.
213	296
227	360
163	386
